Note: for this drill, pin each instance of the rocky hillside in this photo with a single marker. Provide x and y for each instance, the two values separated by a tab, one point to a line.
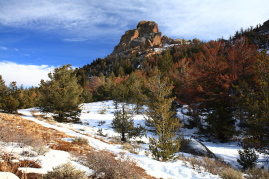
146	36
134	47
258	36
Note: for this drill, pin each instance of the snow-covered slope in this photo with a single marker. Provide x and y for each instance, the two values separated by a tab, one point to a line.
92	121
98	116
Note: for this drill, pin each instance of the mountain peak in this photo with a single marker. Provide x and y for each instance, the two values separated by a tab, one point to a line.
145	35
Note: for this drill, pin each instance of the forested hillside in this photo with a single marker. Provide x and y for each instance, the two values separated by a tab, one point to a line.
223	86
221	81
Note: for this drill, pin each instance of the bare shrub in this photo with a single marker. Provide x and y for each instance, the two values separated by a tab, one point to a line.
65	171
257	173
231	174
214	166
129	147
195	163
115	140
65	146
106	166
80	141
40	149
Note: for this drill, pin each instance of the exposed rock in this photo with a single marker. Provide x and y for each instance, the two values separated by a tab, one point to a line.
167	40
194	147
146	35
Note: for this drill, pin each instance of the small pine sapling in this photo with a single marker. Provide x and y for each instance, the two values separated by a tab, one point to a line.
247	158
123	123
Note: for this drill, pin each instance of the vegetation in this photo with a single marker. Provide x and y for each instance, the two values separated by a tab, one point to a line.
65	171
61	94
221	81
162	118
105	165
124	124
247	158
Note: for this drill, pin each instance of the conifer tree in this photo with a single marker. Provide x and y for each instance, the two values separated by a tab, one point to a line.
254	102
3	90
136	90
247	158
123	123
165	62
61	94
10	101
162	118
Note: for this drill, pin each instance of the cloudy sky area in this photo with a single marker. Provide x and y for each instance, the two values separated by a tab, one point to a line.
36	36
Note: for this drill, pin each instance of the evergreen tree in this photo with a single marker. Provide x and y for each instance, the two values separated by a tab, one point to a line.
123	123
162	118
165	62
247	158
61	94
254	102
10	100
220	122
3	90
135	90
10	104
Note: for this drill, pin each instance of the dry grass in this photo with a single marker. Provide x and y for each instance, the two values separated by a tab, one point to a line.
106	166
7	165
216	167
257	173
80	141
65	171
34	134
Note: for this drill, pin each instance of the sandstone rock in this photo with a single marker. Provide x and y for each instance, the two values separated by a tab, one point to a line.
148	27
147	34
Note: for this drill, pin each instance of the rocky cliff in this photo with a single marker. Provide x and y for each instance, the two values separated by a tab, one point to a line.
145	35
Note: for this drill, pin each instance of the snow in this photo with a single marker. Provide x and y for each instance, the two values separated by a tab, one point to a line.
8	175
92	120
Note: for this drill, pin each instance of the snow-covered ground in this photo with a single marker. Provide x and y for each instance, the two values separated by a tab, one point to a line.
93	120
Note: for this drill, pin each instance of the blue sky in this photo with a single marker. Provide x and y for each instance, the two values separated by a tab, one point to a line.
38	35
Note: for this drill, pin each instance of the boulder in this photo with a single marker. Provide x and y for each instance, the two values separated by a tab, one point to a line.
195	147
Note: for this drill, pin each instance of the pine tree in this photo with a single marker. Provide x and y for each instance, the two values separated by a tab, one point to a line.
10	104
162	118
10	100
3	90
61	94
123	123
254	102
136	90
165	62
247	158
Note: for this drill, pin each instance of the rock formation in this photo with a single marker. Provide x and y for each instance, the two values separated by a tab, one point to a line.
145	35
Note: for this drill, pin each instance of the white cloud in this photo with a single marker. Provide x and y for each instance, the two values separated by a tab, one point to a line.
28	75
3	48
76	40
207	19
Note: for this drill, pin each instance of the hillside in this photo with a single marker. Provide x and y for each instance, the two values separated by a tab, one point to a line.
258	35
155	107
134	47
96	129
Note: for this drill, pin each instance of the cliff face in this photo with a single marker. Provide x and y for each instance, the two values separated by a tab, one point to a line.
145	35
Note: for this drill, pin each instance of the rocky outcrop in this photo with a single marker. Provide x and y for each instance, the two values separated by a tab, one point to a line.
194	147
169	41
145	35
